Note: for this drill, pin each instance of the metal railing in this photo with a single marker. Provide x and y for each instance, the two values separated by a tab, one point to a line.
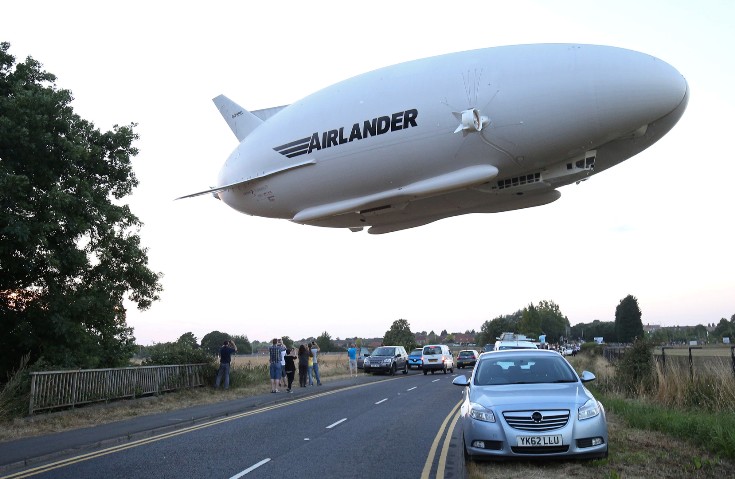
56	389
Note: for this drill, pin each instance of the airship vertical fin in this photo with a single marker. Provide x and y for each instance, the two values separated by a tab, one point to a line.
241	121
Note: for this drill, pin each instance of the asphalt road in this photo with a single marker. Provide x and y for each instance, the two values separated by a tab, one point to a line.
385	427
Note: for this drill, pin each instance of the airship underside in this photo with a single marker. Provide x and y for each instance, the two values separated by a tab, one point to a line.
481	131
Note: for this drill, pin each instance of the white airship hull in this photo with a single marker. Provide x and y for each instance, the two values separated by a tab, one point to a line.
481	131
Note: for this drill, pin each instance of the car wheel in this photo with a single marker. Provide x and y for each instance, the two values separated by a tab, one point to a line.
405	369
445	370
432	371
393	369
426	372
451	370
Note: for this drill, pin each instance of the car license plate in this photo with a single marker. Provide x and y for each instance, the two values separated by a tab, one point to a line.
432	360
535	441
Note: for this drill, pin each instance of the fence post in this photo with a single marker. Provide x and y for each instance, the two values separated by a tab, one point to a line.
732	355
33	393
691	363
663	360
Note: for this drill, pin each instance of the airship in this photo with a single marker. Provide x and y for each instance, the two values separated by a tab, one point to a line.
481	131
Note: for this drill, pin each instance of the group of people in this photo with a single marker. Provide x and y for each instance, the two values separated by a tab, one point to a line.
283	363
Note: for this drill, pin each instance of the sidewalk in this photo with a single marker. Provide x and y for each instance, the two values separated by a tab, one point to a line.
32	451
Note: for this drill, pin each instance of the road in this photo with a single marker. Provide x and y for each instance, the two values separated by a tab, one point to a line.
393	427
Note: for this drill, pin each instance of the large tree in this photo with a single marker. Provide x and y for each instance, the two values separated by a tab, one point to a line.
70	253
628	323
400	334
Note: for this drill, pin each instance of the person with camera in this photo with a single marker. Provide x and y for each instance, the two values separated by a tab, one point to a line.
225	357
274	353
315	360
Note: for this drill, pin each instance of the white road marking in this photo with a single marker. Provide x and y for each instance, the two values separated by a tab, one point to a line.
382	400
435	380
411	389
337	423
251	468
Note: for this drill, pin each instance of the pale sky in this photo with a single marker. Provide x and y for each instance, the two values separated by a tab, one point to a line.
659	226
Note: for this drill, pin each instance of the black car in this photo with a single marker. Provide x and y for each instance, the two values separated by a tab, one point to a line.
467	358
387	359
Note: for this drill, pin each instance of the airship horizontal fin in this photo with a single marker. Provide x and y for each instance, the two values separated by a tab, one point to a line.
240	121
454	180
247	180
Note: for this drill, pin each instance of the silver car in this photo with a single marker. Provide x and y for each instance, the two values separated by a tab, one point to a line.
530	404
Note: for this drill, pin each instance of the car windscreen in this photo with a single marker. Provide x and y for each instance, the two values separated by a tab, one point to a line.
416	352
517	370
383	351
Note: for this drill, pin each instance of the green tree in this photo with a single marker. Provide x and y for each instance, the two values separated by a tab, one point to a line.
495	327
628	324
188	340
325	342
211	342
243	344
400	334
70	253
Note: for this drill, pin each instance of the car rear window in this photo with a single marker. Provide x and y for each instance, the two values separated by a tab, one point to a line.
431	350
466	354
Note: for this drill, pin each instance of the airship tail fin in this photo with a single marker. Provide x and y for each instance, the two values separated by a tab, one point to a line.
241	121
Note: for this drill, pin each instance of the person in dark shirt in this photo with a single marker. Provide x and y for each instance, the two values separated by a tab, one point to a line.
290	366
225	357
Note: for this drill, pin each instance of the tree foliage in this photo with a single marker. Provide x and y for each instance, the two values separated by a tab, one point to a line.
69	249
211	342
628	324
325	343
400	334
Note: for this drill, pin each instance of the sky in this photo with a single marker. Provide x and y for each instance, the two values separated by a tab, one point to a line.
660	226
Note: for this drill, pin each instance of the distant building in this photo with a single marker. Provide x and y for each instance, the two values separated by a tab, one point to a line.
651	328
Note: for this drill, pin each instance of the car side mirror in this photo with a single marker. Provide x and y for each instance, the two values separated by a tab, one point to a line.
461	381
587	377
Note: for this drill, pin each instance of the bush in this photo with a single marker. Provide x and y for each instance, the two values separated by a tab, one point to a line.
175	353
636	370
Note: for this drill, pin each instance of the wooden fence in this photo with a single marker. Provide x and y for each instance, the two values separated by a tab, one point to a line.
56	389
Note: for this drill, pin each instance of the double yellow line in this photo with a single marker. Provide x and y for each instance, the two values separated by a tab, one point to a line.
140	442
451	419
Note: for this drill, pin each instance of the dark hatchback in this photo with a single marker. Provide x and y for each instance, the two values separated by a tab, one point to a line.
467	359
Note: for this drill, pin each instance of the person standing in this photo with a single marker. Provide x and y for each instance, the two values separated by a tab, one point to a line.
274	353
352	356
282	381
225	357
309	364
290	358
315	355
303	365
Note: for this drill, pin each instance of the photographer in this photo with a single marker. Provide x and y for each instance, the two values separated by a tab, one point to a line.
225	357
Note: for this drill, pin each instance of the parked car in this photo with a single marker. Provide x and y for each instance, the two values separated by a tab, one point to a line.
387	359
415	359
514	344
530	403
362	353
437	357
467	358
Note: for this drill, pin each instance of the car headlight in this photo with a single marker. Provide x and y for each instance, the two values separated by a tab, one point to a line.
481	413
387	360
590	409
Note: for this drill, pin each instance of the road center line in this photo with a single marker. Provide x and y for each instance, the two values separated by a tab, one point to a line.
382	400
435	380
337	423
251	468
411	389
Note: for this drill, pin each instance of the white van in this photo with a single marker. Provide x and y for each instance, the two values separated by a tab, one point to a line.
437	357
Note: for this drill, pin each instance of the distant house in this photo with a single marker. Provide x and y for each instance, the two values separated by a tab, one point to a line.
651	328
